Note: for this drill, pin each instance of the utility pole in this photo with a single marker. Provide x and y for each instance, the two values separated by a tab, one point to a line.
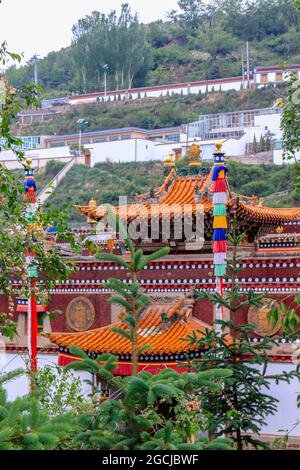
82	124
243	69
248	65
105	70
36	69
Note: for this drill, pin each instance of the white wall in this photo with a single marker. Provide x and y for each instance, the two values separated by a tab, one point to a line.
271	121
236	147
185	89
39	157
285	418
288	413
122	151
20	386
278	158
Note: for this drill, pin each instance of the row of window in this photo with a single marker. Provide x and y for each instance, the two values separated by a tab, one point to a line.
113	138
29	142
264	77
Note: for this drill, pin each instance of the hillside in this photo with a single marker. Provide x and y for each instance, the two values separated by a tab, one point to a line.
107	181
153	113
201	40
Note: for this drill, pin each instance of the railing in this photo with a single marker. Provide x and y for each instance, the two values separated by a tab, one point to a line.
51	187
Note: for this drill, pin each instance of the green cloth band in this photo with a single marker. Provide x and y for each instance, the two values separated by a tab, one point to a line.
219	209
220	270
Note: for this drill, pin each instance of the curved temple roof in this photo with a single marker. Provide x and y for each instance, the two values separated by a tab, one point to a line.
177	192
163	335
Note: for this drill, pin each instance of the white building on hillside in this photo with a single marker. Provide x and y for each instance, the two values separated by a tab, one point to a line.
240	129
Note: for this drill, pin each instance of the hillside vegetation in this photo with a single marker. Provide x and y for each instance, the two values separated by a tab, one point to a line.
107	181
154	113
200	40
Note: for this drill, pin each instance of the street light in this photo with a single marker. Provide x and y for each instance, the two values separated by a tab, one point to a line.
82	124
105	70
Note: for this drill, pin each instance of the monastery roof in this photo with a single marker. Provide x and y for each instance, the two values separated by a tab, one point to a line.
162	337
178	191
268	214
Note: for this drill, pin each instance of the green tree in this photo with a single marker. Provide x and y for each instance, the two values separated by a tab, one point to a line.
255	147
20	235
59	391
25	426
130	297
190	15
240	409
147	412
262	144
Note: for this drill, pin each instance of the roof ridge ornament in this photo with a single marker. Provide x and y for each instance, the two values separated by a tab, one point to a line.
194	154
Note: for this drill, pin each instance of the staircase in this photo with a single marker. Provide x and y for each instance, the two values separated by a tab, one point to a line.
51	187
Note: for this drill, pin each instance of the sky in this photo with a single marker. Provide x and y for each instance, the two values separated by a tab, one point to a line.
41	26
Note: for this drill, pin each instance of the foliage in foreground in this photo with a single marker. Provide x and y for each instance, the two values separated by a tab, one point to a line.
241	408
146	412
153	412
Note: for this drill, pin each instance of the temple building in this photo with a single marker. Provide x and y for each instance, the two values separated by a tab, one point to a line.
191	212
270	257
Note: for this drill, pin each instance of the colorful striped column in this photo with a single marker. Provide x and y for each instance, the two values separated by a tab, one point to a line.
219	225
30	211
220	211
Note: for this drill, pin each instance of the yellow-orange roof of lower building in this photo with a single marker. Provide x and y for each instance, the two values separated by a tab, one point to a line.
168	338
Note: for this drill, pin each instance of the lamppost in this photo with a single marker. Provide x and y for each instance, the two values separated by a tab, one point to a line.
82	124
105	70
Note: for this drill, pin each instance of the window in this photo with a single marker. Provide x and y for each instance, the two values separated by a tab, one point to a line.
57	144
98	140
86	141
279	77
113	138
264	78
173	138
41	316
125	137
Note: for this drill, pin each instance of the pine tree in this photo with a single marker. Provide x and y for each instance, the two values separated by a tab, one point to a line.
24	426
262	144
144	411
130	297
254	144
241	408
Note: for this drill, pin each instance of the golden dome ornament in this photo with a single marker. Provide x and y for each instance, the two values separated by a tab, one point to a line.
169	161
194	154
92	206
219	145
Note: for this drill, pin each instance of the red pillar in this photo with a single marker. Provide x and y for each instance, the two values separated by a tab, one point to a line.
34	329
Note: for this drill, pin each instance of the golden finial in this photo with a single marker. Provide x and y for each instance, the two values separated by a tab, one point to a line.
279	230
194	154
219	145
169	161
29	162
92	205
